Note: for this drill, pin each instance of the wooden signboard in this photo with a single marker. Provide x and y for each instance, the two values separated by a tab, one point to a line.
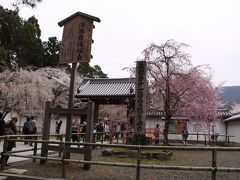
77	38
75	48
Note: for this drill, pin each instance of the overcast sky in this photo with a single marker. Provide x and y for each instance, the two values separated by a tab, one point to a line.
210	27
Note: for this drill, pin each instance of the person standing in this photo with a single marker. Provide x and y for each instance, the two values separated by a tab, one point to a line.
10	129
118	130
106	130
185	135
157	133
2	121
58	127
74	135
99	130
83	130
32	128
26	129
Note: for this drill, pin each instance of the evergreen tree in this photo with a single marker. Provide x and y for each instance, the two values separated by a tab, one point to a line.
3	58
86	70
51	52
10	33
30	51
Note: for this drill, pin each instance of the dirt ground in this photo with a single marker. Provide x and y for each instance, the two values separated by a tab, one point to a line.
53	169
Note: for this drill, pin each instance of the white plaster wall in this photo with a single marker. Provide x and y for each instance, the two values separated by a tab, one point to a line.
63	127
152	123
234	129
220	128
53	125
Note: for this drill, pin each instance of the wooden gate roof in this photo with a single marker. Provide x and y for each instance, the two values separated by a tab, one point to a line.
106	91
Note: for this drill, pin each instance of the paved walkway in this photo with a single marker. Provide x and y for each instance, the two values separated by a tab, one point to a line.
19	146
22	146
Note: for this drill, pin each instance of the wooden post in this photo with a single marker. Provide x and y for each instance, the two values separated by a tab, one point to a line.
35	148
138	163
226	140
63	162
70	106
61	140
197	137
214	163
46	130
89	135
205	140
5	145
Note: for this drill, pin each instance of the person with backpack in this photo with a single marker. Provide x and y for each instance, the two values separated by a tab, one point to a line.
10	128
2	121
26	129
32	127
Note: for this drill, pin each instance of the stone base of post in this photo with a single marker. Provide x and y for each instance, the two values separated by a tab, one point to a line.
140	139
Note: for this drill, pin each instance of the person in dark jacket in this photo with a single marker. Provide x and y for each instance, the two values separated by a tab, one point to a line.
58	127
99	130
2	121
10	129
26	129
157	134
32	128
185	135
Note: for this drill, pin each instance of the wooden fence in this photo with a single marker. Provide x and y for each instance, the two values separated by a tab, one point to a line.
138	165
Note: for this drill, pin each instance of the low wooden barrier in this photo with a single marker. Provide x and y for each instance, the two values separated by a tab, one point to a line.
138	165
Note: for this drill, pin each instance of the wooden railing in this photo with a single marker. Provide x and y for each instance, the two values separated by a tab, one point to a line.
213	168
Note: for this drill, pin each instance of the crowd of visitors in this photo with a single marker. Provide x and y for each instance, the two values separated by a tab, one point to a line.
78	131
101	131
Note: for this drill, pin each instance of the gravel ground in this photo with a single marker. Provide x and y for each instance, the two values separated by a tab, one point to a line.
186	158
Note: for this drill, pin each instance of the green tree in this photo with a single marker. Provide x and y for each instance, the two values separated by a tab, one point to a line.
51	52
86	70
10	33
30	50
37	29
3	58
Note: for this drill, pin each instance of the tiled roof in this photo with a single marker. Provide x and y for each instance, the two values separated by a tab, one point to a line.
93	87
155	112
235	117
224	113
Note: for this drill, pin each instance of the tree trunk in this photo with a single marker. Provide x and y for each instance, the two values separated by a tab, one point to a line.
165	131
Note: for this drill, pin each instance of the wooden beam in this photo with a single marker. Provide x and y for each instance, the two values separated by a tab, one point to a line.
61	111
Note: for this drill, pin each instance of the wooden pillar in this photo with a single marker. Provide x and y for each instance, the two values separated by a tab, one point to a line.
226	137
96	111
70	106
46	131
89	134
